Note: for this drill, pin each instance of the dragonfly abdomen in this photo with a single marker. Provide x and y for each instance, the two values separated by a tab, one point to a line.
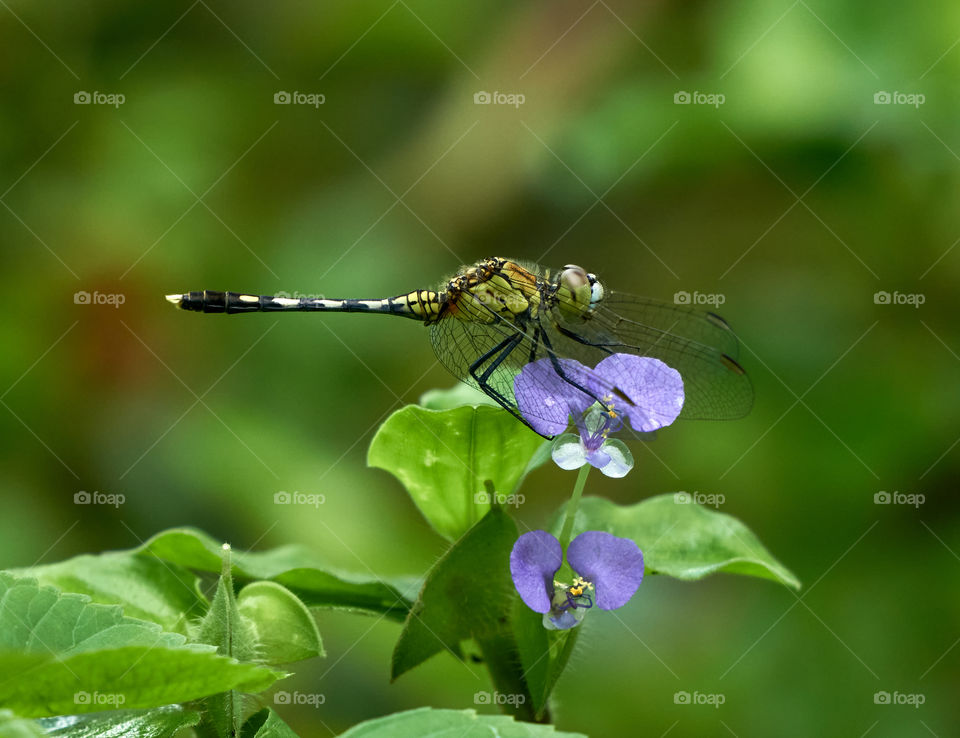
420	305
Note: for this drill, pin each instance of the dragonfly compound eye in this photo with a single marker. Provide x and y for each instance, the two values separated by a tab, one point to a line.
574	277
596	290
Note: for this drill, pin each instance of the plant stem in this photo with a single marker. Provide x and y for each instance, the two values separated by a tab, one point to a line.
502	658
573	505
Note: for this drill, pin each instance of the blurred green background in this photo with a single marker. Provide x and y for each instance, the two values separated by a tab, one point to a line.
795	200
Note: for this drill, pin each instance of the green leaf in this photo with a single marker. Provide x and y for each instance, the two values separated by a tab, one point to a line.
283	627
682	539
146	587
156	723
295	567
233	636
134	677
444	457
457	396
40	620
12	726
469	594
222	626
86	657
266	724
427	721
152	581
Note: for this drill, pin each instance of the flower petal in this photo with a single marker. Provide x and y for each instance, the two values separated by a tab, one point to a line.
568	452
545	399
534	560
614	565
598	459
620	460
654	389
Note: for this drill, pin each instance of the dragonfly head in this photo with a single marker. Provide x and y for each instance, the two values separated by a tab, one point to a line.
580	291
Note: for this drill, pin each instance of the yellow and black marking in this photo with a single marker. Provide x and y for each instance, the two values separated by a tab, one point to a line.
495	289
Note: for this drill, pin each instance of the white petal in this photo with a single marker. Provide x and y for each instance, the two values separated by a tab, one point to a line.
621	460
569	454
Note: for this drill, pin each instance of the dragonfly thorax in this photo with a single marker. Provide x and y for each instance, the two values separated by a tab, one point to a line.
493	290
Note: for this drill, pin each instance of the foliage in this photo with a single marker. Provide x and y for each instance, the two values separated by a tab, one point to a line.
129	641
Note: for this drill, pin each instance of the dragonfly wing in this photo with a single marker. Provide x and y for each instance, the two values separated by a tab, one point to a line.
699	345
683	321
491	355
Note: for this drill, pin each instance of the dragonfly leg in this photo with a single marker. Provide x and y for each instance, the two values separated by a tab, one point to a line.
535	341
580	339
558	368
501	351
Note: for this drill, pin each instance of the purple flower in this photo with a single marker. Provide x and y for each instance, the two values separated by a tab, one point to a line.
612	566
610	455
644	391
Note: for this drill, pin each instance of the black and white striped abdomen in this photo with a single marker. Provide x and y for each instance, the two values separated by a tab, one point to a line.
420	305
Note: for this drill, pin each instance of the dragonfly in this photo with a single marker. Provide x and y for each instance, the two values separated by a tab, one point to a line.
494	317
